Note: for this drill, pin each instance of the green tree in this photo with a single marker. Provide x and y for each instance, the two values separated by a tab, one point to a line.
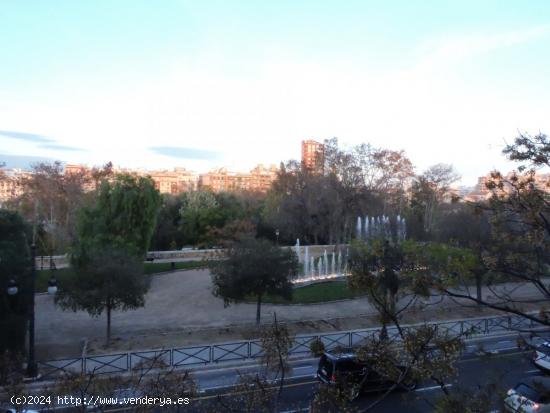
123	217
14	264
113	238
204	211
253	268
112	279
167	230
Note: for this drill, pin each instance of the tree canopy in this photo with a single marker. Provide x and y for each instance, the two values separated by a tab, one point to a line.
15	262
253	268
112	239
123	217
111	280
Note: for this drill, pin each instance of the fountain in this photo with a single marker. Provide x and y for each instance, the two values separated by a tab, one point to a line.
306	261
321	267
317	266
380	227
359	229
297	250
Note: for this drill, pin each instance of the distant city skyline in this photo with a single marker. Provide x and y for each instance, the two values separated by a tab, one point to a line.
210	84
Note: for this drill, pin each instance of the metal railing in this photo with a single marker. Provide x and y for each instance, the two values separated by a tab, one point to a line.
251	349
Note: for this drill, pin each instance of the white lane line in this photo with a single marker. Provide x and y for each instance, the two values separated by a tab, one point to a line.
302	367
302	376
433	387
508	348
203	389
225	386
533	371
210	368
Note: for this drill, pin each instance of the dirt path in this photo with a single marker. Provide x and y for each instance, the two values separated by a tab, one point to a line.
181	310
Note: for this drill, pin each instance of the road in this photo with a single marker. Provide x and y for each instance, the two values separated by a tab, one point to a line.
485	360
493	360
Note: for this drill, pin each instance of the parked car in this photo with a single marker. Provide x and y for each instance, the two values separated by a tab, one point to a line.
530	395
541	357
355	376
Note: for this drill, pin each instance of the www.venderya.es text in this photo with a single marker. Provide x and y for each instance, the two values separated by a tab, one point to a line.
104	401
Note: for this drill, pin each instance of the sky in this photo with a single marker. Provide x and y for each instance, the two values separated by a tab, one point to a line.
203	84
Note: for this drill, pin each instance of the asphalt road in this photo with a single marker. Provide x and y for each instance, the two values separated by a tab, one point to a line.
487	360
494	360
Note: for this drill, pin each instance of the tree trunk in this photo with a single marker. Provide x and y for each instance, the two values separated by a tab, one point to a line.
108	321
478	288
258	309
384	332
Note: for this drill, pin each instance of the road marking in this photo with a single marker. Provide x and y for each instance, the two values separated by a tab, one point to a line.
495	356
302	367
225	386
253	364
532	371
433	387
217	387
301	376
508	348
242	392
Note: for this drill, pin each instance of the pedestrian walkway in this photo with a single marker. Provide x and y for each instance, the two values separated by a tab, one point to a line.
181	310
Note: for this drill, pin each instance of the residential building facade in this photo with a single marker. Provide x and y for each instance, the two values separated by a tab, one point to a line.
313	156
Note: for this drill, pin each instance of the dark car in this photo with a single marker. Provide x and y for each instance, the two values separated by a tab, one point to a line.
354	376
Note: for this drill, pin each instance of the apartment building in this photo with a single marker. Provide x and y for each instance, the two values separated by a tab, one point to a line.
481	192
258	179
10	184
174	182
313	156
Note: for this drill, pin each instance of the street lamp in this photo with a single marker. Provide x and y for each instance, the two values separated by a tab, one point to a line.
12	290
52	285
12	287
277	235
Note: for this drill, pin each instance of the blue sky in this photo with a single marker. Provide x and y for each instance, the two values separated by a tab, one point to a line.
213	83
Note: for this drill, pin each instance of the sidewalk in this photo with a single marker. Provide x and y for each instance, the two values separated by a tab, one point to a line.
180	310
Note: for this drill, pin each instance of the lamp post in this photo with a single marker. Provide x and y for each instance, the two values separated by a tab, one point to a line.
12	290
277	236
32	368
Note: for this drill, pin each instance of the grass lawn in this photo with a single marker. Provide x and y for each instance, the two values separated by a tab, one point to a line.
316	293
42	276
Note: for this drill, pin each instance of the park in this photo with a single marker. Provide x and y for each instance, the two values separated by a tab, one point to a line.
398	271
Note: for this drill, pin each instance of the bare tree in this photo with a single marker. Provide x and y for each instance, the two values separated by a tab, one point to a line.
276	345
393	277
519	252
